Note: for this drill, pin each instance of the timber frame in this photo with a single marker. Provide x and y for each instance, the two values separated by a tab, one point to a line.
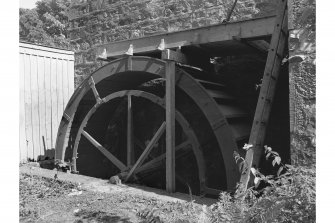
156	68
163	56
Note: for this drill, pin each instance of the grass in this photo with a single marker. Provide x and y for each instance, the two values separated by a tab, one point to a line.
34	188
288	196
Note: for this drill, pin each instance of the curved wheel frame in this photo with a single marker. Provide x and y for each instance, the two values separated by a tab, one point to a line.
191	138
156	68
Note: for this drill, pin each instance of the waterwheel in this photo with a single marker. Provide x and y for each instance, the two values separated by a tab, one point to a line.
124	101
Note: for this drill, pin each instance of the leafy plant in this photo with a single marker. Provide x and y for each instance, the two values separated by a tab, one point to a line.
289	196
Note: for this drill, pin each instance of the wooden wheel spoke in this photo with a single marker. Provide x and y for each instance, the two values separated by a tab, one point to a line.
94	89
130	134
104	151
142	146
147	150
154	163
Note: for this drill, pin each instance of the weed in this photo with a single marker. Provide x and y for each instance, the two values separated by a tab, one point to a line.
287	197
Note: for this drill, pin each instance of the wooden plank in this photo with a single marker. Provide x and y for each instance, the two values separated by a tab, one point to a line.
263	108
209	34
261	45
232	112
65	84
160	158
130	133
147	150
221	128
176	56
142	146
35	105
23	142
170	76
219	95
267	91
94	89
209	83
28	107
212	191
54	109
41	104
60	94
48	115
70	70
104	151
31	47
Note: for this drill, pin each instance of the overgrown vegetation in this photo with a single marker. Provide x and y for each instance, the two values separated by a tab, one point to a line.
46	24
288	196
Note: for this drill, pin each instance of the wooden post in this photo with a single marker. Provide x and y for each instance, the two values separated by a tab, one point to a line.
170	126
130	137
266	96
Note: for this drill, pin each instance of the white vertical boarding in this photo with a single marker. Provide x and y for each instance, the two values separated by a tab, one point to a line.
35	111
70	67
46	84
65	84
48	117
23	144
59	91
54	108
41	103
28	109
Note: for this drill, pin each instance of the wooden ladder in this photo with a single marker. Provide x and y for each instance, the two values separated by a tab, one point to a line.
271	73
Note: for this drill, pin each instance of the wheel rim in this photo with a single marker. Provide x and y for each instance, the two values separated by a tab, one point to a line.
143	166
128	73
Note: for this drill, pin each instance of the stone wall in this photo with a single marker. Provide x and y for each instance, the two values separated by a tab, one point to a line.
302	81
101	21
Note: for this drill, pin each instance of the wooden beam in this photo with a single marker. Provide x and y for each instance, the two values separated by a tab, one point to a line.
142	146
94	89
260	45
176	56
130	132
253	28
265	98
160	158
170	76
104	151
147	150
